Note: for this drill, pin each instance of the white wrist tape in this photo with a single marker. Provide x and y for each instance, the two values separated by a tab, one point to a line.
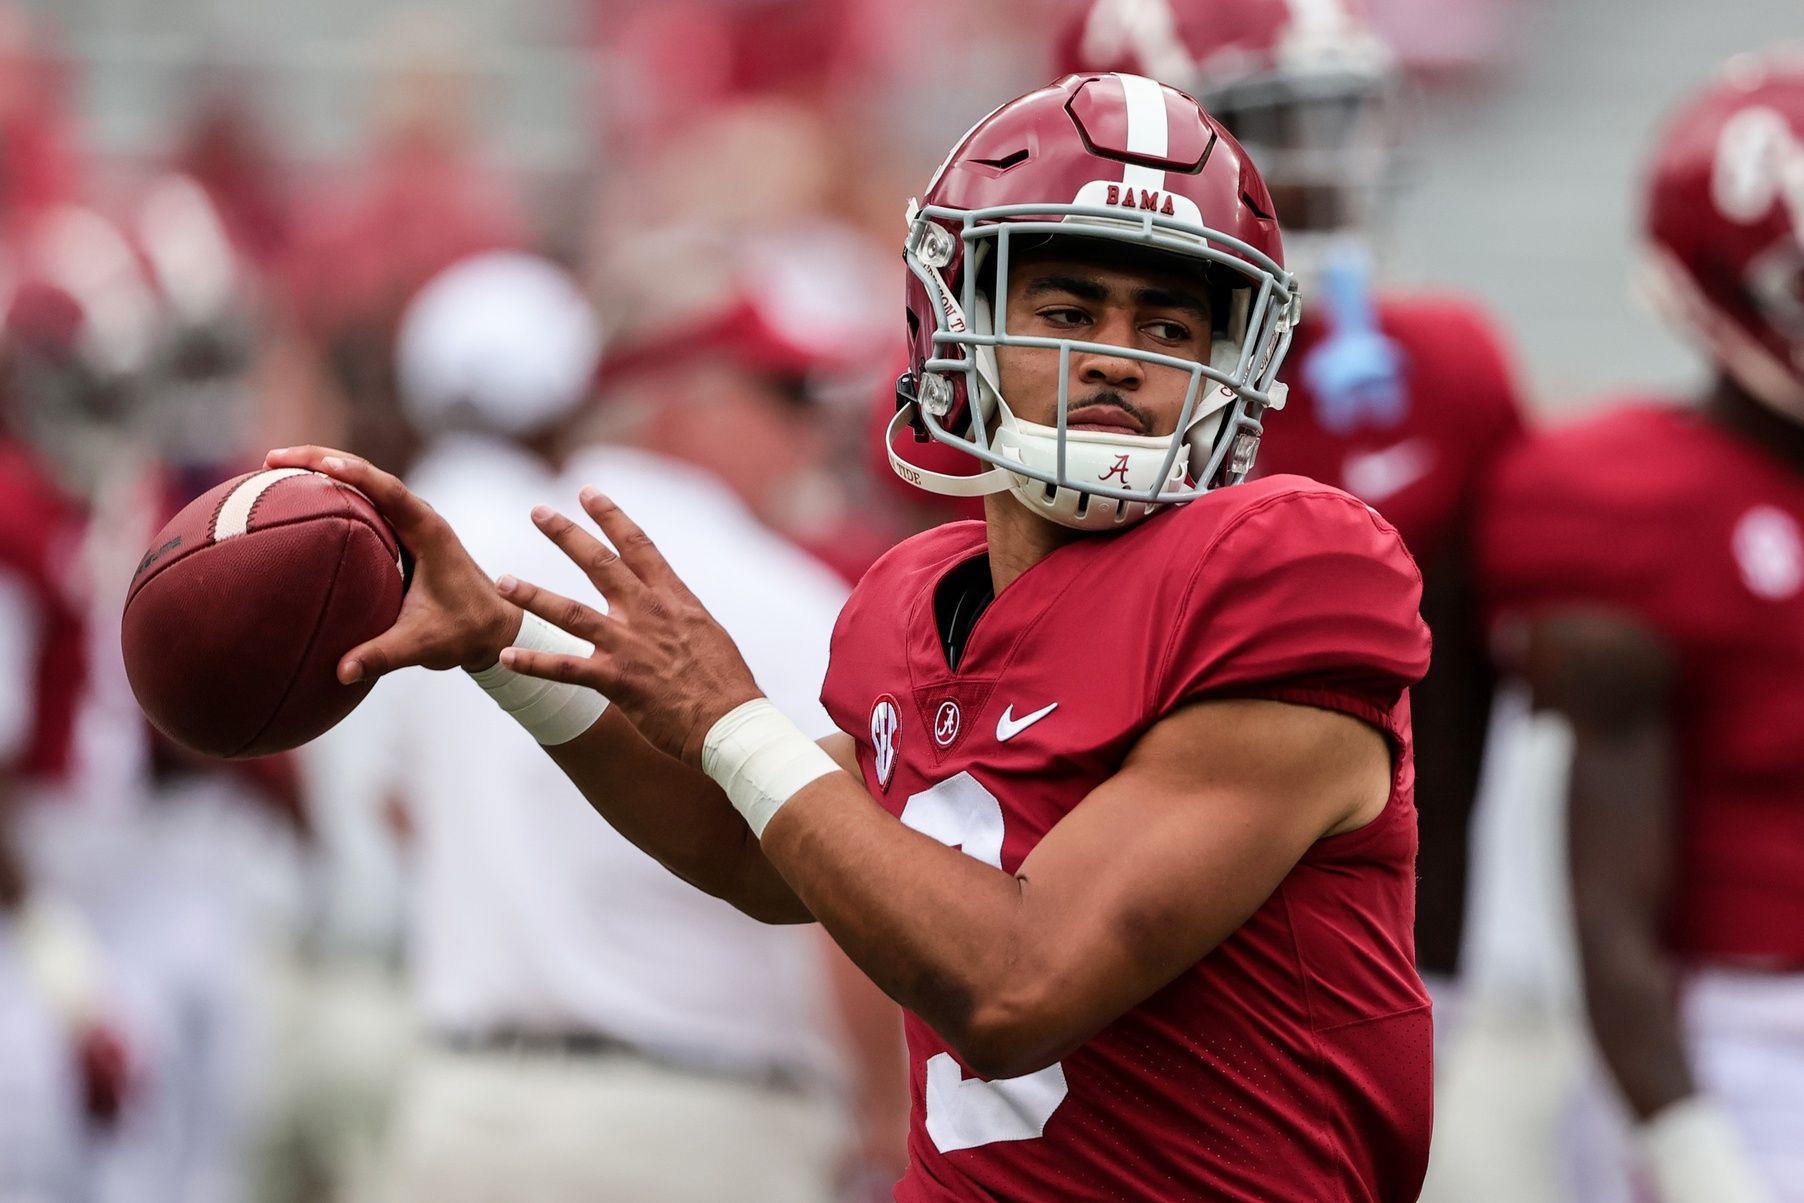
761	759
1695	1155
553	712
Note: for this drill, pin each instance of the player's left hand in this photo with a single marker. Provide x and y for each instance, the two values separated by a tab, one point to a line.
659	655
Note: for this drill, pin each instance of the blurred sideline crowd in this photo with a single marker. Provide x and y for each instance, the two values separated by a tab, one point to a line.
406	962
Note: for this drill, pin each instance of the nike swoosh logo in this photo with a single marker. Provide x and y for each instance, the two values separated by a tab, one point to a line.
1377	475
1008	726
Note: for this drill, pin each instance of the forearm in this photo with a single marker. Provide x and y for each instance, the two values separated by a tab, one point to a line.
946	936
1622	833
675	815
1631	1000
1134	885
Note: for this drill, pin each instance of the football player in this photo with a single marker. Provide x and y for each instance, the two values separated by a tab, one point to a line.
1401	400
1647	568
1121	808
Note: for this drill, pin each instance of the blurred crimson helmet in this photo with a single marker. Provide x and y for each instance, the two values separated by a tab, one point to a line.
81	323
1124	168
1308	87
1724	225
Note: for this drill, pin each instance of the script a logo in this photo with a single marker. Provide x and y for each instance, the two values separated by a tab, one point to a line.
1117	470
886	725
945	723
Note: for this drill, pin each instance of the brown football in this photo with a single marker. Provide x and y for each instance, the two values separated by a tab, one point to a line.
244	604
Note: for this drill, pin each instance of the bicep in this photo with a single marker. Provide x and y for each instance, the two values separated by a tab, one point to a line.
1165	860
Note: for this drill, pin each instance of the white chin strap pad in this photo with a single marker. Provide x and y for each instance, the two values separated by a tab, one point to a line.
1117	461
991	480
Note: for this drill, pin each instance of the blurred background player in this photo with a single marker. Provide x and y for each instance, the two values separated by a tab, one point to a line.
1647	572
1403	400
136	840
62	1083
594	1028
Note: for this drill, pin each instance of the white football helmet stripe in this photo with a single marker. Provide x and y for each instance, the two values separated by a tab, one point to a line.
1148	129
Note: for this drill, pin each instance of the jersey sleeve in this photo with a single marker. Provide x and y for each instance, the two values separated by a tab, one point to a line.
1309	597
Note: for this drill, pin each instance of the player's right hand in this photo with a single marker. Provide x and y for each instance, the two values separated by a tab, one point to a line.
451	616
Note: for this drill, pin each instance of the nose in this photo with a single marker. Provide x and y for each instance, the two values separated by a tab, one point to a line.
1100	368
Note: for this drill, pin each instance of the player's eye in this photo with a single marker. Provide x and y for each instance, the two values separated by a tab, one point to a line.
1064	315
1168	331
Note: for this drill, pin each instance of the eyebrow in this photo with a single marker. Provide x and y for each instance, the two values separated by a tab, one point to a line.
1169	298
1077	286
1151	296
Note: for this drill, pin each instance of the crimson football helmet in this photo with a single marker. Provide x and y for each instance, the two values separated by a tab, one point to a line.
1724	225
1131	163
1307	86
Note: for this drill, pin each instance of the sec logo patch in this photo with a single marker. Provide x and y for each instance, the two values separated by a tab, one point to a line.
886	725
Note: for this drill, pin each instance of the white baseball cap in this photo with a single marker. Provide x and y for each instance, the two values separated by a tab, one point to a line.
502	341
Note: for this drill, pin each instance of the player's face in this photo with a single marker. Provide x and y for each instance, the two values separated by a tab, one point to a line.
1143	308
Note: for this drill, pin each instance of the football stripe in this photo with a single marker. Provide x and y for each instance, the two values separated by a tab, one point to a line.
1148	129
235	515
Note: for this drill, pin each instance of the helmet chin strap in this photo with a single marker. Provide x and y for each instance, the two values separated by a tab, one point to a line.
990	480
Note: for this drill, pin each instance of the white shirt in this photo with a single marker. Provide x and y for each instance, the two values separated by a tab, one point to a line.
42	1128
532	913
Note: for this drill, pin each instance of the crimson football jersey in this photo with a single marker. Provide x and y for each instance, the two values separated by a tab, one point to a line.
1294	1061
1654	511
1459	411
